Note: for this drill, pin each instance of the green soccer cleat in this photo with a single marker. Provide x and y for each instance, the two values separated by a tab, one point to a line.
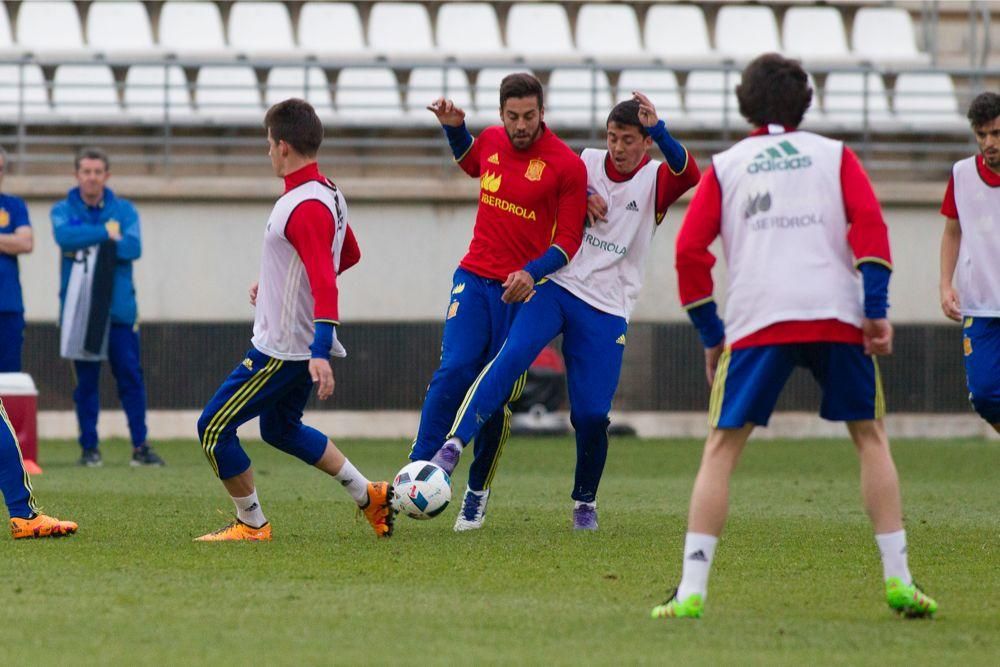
690	607
908	600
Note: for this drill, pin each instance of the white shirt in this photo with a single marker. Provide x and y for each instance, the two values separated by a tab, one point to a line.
977	274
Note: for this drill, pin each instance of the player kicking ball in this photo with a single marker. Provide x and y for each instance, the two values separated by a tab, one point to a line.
804	237
588	301
294	334
26	521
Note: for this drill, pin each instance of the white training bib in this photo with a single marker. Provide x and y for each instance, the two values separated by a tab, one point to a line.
977	275
283	325
607	270
784	232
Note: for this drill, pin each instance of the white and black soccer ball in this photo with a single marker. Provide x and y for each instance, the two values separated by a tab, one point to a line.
421	490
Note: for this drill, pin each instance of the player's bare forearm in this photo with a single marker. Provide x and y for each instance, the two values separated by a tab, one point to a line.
951	240
22	241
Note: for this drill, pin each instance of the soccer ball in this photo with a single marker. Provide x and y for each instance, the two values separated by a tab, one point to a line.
421	490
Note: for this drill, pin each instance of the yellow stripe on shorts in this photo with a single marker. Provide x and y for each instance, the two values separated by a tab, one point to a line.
879	392
718	394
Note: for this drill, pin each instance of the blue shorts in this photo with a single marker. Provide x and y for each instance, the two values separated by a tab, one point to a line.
981	346
749	381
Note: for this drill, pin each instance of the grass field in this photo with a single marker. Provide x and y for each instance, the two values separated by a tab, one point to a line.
797	577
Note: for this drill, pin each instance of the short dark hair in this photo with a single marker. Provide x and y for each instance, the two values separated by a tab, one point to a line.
91	153
774	89
521	84
295	122
627	113
984	109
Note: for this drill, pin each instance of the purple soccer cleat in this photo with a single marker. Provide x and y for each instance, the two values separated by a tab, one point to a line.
447	457
585	517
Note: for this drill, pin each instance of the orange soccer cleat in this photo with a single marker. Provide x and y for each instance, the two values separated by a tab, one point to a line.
42	525
378	511
238	531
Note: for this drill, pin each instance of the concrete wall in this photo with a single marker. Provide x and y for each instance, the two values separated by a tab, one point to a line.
200	256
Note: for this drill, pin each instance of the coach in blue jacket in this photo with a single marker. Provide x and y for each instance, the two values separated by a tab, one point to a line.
91	215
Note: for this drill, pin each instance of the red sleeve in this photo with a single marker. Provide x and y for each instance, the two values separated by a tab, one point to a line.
867	235
701	226
350	253
310	230
470	161
949	208
670	186
571	208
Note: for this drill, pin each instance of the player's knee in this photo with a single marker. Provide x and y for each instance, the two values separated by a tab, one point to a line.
988	407
273	430
589	421
203	423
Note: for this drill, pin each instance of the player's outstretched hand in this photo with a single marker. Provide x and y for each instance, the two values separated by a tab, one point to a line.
647	111
447	112
597	208
253	293
712	356
322	374
877	336
950	305
519	287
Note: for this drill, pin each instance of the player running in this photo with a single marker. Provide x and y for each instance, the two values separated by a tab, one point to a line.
532	204
970	247
26	520
589	301
294	334
803	234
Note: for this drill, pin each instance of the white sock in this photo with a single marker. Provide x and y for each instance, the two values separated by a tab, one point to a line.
355	483
248	510
578	504
699	549
893	548
455	441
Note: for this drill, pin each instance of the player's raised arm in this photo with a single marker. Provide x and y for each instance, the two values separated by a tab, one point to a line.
452	119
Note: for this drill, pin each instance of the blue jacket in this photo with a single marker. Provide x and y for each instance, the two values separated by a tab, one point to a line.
77	225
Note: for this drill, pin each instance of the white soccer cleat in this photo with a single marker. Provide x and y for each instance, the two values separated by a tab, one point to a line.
473	512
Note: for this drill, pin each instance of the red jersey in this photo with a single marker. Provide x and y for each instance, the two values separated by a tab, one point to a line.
528	200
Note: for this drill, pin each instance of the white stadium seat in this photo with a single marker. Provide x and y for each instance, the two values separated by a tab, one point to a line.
22	85
285	82
711	98
260	27
468	28
608	30
49	25
148	89
659	85
6	35
884	33
923	99
677	32
367	92
333	27
191	27
228	91
396	28
84	90
487	91
578	96
429	83
815	33
844	98
539	29
119	26
746	31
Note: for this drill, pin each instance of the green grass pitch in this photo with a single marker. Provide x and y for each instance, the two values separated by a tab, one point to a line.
796	580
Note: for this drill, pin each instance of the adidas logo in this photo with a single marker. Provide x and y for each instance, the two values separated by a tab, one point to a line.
248	364
494	159
632	206
783	156
253	507
698	555
621	340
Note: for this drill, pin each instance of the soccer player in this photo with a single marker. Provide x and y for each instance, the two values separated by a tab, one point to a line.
970	248
589	301
307	242
26	521
803	235
15	239
532	205
100	238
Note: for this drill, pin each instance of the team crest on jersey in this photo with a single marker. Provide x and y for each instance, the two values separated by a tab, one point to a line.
535	169
494	159
248	364
4	218
490	181
967	346
452	310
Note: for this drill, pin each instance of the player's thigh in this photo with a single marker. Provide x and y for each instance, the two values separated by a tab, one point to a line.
748	384
250	388
538	322
981	349
593	347
849	380
468	325
123	350
283	413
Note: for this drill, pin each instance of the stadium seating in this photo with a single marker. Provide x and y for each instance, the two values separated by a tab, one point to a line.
84	90
815	33
885	34
540	29
6	35
49	26
660	85
677	32
261	28
331	28
926	99
399	28
745	32
192	28
845	98
469	29
608	31
578	96
426	84
486	97
367	93
22	88
115	27
150	88
230	92
309	84
711	98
